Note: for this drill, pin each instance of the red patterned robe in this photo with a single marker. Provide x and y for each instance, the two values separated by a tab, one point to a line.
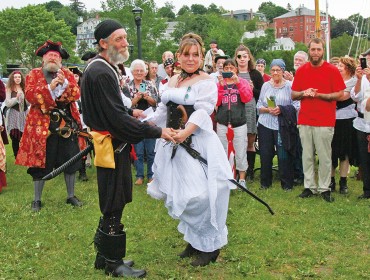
32	149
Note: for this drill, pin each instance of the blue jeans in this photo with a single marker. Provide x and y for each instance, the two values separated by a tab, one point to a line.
145	146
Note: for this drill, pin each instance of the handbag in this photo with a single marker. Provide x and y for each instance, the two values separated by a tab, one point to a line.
104	154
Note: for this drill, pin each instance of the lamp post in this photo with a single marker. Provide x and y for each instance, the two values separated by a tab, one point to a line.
137	11
131	49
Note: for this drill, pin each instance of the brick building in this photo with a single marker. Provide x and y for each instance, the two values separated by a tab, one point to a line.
298	24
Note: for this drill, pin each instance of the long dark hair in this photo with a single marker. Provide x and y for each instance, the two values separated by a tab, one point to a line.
11	83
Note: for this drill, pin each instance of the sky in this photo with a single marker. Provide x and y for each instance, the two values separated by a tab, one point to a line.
337	8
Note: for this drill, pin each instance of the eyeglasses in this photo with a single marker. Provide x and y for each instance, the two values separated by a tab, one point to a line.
242	56
276	70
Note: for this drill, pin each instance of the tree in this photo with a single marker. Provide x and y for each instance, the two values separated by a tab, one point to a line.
213	9
78	7
152	27
211	27
167	11
25	32
261	43
342	26
65	13
271	11
198	9
183	10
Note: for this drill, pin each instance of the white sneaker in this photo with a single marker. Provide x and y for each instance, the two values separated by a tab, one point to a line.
242	182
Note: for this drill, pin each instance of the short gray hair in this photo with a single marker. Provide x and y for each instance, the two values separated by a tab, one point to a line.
137	62
302	53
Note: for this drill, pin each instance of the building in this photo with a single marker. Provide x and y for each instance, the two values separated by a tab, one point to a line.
283	44
298	24
245	15
171	26
85	32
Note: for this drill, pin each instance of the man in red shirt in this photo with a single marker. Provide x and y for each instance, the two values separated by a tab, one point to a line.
318	85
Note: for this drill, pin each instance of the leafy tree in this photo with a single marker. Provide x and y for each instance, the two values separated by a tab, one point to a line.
342	26
65	13
271	11
227	31
167	11
25	32
261	43
251	25
152	27
213	9
183	10
198	9
78	7
340	46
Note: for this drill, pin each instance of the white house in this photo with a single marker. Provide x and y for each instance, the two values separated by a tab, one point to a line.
85	32
285	44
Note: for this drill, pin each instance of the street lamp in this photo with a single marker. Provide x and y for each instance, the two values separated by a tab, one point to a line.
131	49
137	11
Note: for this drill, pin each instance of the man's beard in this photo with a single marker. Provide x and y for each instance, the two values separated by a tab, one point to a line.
315	62
52	66
116	57
296	67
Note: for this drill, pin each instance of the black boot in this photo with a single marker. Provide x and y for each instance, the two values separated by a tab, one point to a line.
332	184
205	258
100	262
83	176
188	252
99	259
113	248
343	188
251	158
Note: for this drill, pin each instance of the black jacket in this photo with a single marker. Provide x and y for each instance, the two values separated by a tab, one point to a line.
288	128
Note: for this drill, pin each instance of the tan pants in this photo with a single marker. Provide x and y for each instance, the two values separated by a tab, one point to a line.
316	139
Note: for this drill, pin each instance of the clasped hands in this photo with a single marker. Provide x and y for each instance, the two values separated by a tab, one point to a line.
310	92
175	136
58	80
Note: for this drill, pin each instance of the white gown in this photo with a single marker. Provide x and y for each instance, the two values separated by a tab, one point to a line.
195	194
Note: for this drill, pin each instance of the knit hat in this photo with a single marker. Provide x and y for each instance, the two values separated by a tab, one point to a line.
106	28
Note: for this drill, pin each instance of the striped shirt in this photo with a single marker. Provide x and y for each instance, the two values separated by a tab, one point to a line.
282	96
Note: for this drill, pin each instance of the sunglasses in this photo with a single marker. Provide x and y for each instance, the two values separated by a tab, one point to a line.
242	56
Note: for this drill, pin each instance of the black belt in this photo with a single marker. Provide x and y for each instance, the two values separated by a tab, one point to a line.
360	115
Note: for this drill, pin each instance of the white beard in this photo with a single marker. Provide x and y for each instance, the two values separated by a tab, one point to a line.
116	57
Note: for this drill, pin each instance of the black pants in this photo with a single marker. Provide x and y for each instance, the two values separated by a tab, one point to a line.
268	142
115	186
364	157
58	151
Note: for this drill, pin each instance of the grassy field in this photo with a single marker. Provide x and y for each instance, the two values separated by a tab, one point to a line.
306	239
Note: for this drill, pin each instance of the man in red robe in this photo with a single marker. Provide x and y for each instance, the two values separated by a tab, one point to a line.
52	91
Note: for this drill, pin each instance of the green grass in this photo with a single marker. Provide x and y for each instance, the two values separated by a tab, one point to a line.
306	239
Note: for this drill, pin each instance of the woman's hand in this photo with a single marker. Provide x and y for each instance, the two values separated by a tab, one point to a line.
275	111
235	79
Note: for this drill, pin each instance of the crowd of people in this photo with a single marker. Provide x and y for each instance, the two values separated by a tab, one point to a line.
184	117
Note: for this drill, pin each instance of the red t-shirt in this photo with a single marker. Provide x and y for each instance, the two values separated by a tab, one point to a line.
326	79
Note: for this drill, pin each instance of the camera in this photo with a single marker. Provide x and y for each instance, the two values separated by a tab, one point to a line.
227	74
363	62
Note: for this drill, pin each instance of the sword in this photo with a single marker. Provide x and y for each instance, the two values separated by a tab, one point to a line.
195	154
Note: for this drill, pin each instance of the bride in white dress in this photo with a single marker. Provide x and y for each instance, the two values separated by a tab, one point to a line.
196	194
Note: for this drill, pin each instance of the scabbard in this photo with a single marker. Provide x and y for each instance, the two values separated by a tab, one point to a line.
69	162
195	154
